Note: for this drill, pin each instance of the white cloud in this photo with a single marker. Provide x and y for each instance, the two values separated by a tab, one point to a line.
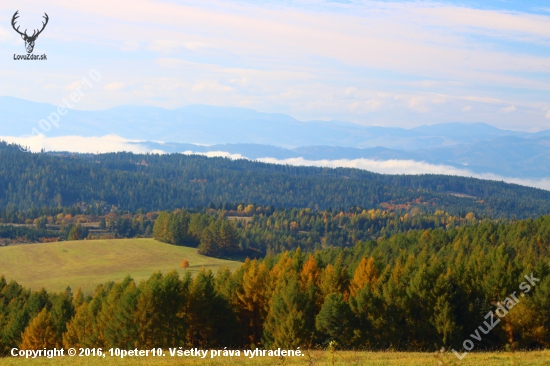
211	86
509	109
114	86
213	154
103	144
389	167
467	108
483	100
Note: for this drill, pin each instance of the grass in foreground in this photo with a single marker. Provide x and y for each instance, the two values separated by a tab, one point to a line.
314	358
87	263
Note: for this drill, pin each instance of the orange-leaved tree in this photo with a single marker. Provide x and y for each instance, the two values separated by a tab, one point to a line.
366	273
40	333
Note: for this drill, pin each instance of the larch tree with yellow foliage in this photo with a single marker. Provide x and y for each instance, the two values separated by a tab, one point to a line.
40	333
80	330
365	273
253	298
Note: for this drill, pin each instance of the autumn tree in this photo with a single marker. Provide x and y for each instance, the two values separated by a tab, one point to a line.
40	333
365	273
253	299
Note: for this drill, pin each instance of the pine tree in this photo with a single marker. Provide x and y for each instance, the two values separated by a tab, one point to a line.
122	331
285	325
61	313
209	243
75	233
160	310
160	230
336	320
40	333
228	239
371	313
210	319
78	298
81	331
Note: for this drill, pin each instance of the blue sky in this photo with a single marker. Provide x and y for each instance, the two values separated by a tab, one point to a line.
389	63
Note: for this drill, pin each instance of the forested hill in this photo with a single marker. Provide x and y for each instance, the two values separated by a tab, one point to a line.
159	182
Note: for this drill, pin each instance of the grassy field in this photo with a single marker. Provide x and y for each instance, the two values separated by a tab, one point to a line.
88	263
313	358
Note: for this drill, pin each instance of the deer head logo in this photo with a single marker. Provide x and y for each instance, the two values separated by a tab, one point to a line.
29	40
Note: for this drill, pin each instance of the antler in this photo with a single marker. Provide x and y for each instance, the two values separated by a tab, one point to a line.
15	16
34	34
43	25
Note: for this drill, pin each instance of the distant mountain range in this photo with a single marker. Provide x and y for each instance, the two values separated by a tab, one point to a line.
477	147
506	156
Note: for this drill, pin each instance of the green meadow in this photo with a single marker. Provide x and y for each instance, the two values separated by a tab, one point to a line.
87	263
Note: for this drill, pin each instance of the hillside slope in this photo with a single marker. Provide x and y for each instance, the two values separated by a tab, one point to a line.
87	263
159	182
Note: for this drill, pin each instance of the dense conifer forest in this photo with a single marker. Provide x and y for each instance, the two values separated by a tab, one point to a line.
240	230
131	182
419	290
275	231
369	261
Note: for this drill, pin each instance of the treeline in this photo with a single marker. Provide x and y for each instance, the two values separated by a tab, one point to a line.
417	291
310	230
68	227
25	234
11	215
270	231
245	228
164	182
214	237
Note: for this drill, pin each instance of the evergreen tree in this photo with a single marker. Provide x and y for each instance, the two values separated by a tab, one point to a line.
61	313
211	321
285	325
228	240
81	331
122	331
336	320
75	233
209	243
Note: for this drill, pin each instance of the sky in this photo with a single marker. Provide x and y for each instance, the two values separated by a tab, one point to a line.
386	63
